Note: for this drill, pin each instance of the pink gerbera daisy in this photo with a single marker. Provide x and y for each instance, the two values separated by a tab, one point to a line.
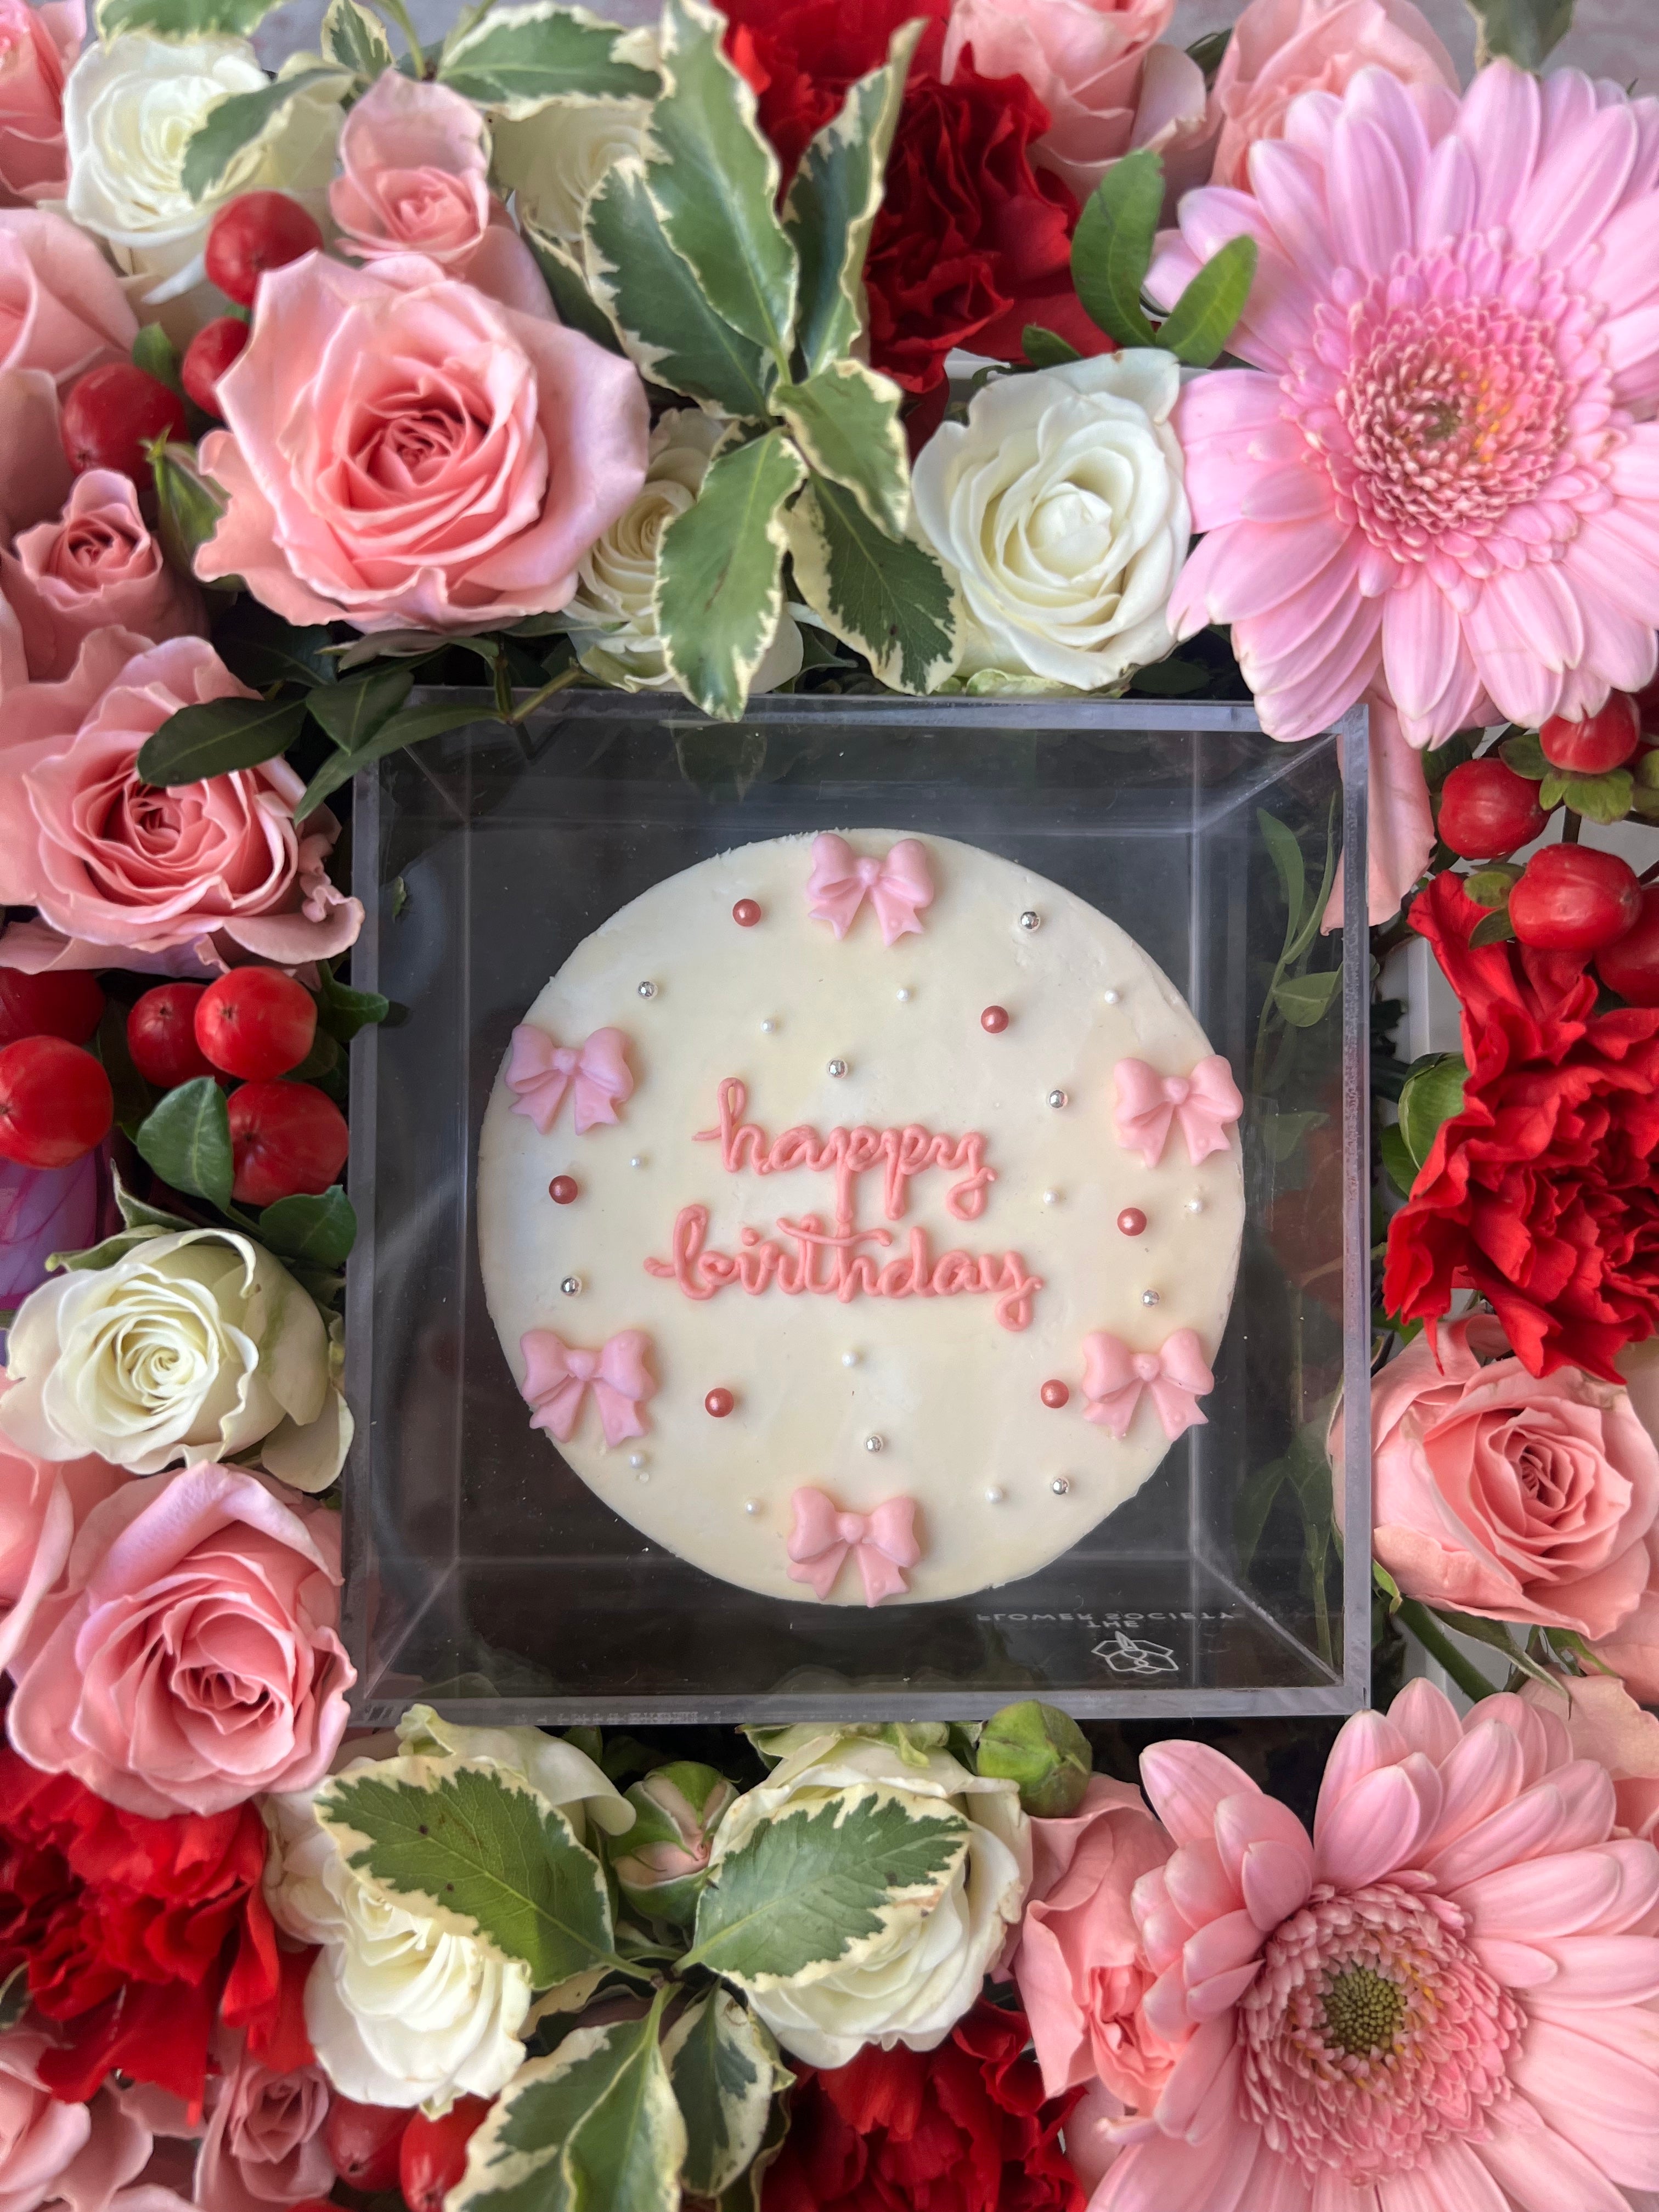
1434	475
1444	2003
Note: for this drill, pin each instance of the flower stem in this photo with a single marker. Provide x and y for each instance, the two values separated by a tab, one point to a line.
1571	824
561	682
1416	1617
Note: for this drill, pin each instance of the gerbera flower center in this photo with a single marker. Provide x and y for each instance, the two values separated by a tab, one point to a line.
1372	2032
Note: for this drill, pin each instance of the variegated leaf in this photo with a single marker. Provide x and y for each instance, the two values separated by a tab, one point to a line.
719	582
845	421
182	19
355	39
887	597
516	60
235	123
724	2068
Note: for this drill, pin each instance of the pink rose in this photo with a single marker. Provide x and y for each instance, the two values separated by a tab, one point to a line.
192	1659
43	1505
415	163
1280	48
38	47
1080	1970
62	312
188	871
57	2154
263	2144
1632	1650
1498	1492
1607	1725
96	566
403	451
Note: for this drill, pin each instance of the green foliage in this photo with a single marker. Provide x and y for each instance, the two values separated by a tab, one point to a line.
240	121
887	598
1432	1095
262	650
182	19
353	709
1112	247
516	60
1043	1750
1598	797
188	504
355	39
1397	1162
187	1140
1305	1000
341	1011
1201	321
1046	348
1524	753
133	1096
411	725
719	569
1523	31
723	2069
218	736
845	423
154	351
317	1232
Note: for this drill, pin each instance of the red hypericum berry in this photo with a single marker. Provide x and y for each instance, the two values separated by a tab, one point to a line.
285	1137
255	232
363	2141
55	1102
69	1005
1486	809
161	1035
1630	965
256	1023
112	414
434	2155
1571	898
207	357
1600	742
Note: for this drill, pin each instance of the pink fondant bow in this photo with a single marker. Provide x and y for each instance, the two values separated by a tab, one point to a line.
556	1373
885	1542
540	1073
897	887
1114	1378
1205	1103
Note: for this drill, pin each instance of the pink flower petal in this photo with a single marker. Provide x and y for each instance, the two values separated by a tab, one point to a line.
1542	2170
1500	126
1210	2059
1427	1721
1185	1782
1537	1899
1164	2174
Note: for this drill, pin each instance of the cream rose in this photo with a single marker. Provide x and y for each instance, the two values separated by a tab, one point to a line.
925	1970
1060	509
400	2011
192	1344
611	616
553	160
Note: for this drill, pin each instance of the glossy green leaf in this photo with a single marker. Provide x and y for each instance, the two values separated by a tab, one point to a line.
720	564
342	1011
1112	247
567	280
1209	50
319	1231
1046	348
667	328
154	351
885	596
846	422
516	60
713	181
412	726
1491	886
1198	325
137	1213
261	649
1525	754
182	19
187	1140
353	709
1433	1092
188	504
1289	865
1305	1000
236	123
722	2066
1520	31
1397	1162
1602	799
355	39
218	736
1492	929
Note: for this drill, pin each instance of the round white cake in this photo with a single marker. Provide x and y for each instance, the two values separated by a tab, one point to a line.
860	1216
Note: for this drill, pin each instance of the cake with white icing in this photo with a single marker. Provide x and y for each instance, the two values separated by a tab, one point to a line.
859	1217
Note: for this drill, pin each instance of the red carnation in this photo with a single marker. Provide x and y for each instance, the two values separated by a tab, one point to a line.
962	2129
1542	1194
138	1934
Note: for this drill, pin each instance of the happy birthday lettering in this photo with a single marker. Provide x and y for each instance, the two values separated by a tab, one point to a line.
828	1263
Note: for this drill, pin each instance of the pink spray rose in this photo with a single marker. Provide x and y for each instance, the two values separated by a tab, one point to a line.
95	566
43	1504
62	312
1281	47
111	862
1078	1964
415	173
402	450
38	47
193	1658
54	2153
264	2145
1499	1493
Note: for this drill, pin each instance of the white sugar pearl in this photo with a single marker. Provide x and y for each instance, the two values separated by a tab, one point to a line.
1112	997
642	1477
850	1358
904	994
637	1160
1052	1197
637	1459
1195	1206
751	1506
994	1496
768	1028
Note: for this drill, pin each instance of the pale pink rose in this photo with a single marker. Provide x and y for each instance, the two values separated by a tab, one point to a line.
198	869
415	173
1632	1650
38	45
1499	1493
1280	48
96	566
62	312
43	1504
193	1657
1607	1725
53	2154
1079	1963
263	2144
402	452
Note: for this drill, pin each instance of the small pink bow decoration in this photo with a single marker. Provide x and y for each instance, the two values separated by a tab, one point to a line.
897	887
540	1073
1114	1378
1206	1103
883	1541
556	1373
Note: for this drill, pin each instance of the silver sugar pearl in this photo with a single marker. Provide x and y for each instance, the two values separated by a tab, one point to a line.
1060	1486
1149	1298
837	1067
647	990
1058	1099
874	1443
994	1496
571	1286
1031	918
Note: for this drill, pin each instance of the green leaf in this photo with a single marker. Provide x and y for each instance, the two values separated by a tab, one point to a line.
722	2066
1305	1000
1046	348
319	1231
834	201
1523	30
182	19
1495	1635
187	1141
1254	1502
133	1096
218	736
188	504
567	280
845	421
483	1852
1112	247
137	1214
1043	1750
667	328
238	121
1492	929
262	650
748	2192
1525	754
409	727
1386	1583
1397	1162
1433	1092
1169	679
152	351
1290	866
884	596
720	589
1202	319
516	60
351	711
713	181
1207	52
355	39
1491	886
818	1880
1597	797
96	1257
343	1011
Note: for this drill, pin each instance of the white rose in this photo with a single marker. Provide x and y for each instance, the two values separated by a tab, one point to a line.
611	618
399	2011
554	159
130	109
1060	507
925	1970
193	1344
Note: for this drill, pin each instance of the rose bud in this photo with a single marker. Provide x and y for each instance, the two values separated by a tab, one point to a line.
1044	1751
662	1860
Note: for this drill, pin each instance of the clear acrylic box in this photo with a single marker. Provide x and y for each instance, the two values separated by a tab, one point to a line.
484	1577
